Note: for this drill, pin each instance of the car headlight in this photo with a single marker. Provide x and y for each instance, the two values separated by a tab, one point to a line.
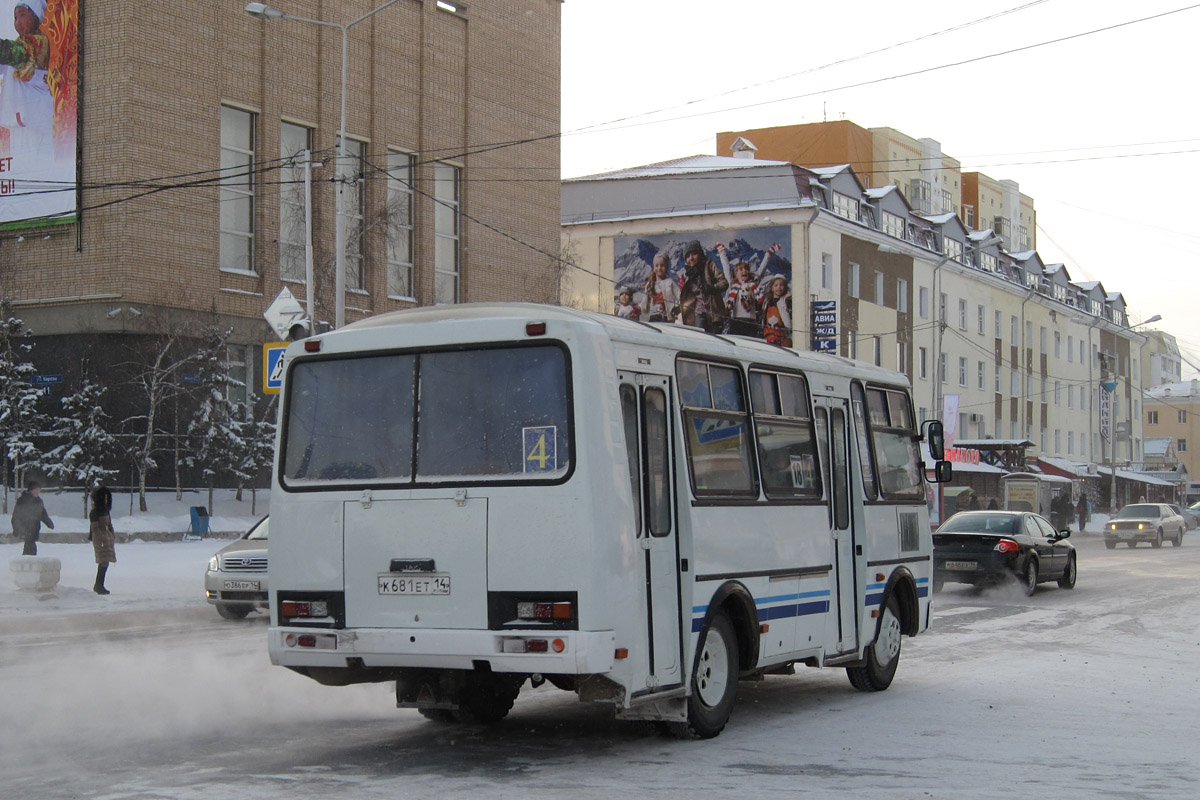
214	564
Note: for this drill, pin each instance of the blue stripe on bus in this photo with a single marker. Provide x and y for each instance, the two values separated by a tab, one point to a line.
789	609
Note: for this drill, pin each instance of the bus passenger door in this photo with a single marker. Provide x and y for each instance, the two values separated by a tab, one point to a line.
833	430
646	409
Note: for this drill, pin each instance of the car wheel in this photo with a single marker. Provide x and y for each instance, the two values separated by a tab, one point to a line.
1067	581
1029	578
1157	539
883	656
1111	544
233	612
714	682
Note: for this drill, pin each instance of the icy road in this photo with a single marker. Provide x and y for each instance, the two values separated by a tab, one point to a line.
1091	693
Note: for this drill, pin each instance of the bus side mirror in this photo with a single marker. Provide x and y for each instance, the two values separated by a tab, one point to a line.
942	472
935	435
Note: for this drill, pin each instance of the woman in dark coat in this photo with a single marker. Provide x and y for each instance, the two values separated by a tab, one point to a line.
102	536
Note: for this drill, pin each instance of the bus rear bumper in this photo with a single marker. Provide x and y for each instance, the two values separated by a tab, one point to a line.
565	652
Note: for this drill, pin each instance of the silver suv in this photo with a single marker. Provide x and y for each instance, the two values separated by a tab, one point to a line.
236	579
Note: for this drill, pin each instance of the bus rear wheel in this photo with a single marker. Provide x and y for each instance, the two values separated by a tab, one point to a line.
488	698
714	682
883	656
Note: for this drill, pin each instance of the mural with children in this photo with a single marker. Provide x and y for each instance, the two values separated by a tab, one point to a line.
735	281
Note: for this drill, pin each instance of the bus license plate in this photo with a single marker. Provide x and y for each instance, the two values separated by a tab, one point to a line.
961	566
414	584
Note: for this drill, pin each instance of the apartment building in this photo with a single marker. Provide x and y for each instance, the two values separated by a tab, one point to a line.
1010	347
206	162
1172	412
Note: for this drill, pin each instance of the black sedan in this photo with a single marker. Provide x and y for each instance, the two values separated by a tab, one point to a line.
987	547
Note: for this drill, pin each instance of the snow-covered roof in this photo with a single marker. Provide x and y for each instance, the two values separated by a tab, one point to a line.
1024	255
1182	389
1136	476
991	444
878	192
678	166
829	172
939	219
1086	286
1076	468
981	236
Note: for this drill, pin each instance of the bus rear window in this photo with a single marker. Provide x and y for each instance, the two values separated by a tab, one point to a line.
480	415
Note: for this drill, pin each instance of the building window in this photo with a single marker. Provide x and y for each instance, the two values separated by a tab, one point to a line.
1070	443
877	351
1014	384
962	371
922	362
902	295
998	379
979	373
998	335
1070	395
1070	349
354	191
851	345
962	315
826	271
1181	445
400	225
878	288
446	193
1015	326
236	251
295	142
845	206
1057	344
893	225
853	278
1182	418
1041	339
953	248
1029	336
1057	393
237	368
979	322
923	302
942	302
901	356
942	367
1057	441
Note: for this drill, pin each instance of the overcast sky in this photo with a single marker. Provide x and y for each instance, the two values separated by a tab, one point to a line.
1100	129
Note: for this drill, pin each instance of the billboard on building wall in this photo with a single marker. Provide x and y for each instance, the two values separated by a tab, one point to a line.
39	81
735	281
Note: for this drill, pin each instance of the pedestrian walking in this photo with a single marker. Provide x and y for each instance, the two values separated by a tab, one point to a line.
1082	511
28	515
102	536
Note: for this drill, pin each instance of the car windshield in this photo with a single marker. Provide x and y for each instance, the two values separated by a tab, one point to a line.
259	531
1139	510
982	523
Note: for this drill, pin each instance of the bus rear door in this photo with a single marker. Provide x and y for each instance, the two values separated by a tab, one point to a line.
833	438
646	410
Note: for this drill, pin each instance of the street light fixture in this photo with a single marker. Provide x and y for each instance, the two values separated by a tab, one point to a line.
266	12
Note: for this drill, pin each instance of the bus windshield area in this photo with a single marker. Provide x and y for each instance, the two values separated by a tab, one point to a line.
409	418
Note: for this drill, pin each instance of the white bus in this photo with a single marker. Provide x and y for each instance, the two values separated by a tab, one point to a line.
470	497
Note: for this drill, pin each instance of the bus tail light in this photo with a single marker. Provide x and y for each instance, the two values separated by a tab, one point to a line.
519	645
303	609
544	612
1007	546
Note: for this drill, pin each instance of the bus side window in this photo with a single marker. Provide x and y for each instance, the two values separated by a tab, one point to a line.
658	489
717	422
865	457
629	411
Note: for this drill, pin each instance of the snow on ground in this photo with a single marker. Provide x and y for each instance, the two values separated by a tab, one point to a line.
148	574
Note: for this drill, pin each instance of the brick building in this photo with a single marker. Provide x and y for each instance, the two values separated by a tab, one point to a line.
190	204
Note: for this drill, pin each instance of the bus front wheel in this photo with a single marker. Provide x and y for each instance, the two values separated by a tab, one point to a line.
714	682
883	655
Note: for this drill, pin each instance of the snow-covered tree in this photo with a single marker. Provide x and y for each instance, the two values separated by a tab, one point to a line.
156	378
218	430
19	417
85	441
260	450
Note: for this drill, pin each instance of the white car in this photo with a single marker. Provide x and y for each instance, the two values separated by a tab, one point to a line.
1144	522
236	579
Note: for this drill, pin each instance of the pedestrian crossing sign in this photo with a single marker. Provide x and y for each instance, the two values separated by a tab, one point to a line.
273	363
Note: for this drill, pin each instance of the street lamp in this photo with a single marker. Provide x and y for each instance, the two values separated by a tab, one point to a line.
266	12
